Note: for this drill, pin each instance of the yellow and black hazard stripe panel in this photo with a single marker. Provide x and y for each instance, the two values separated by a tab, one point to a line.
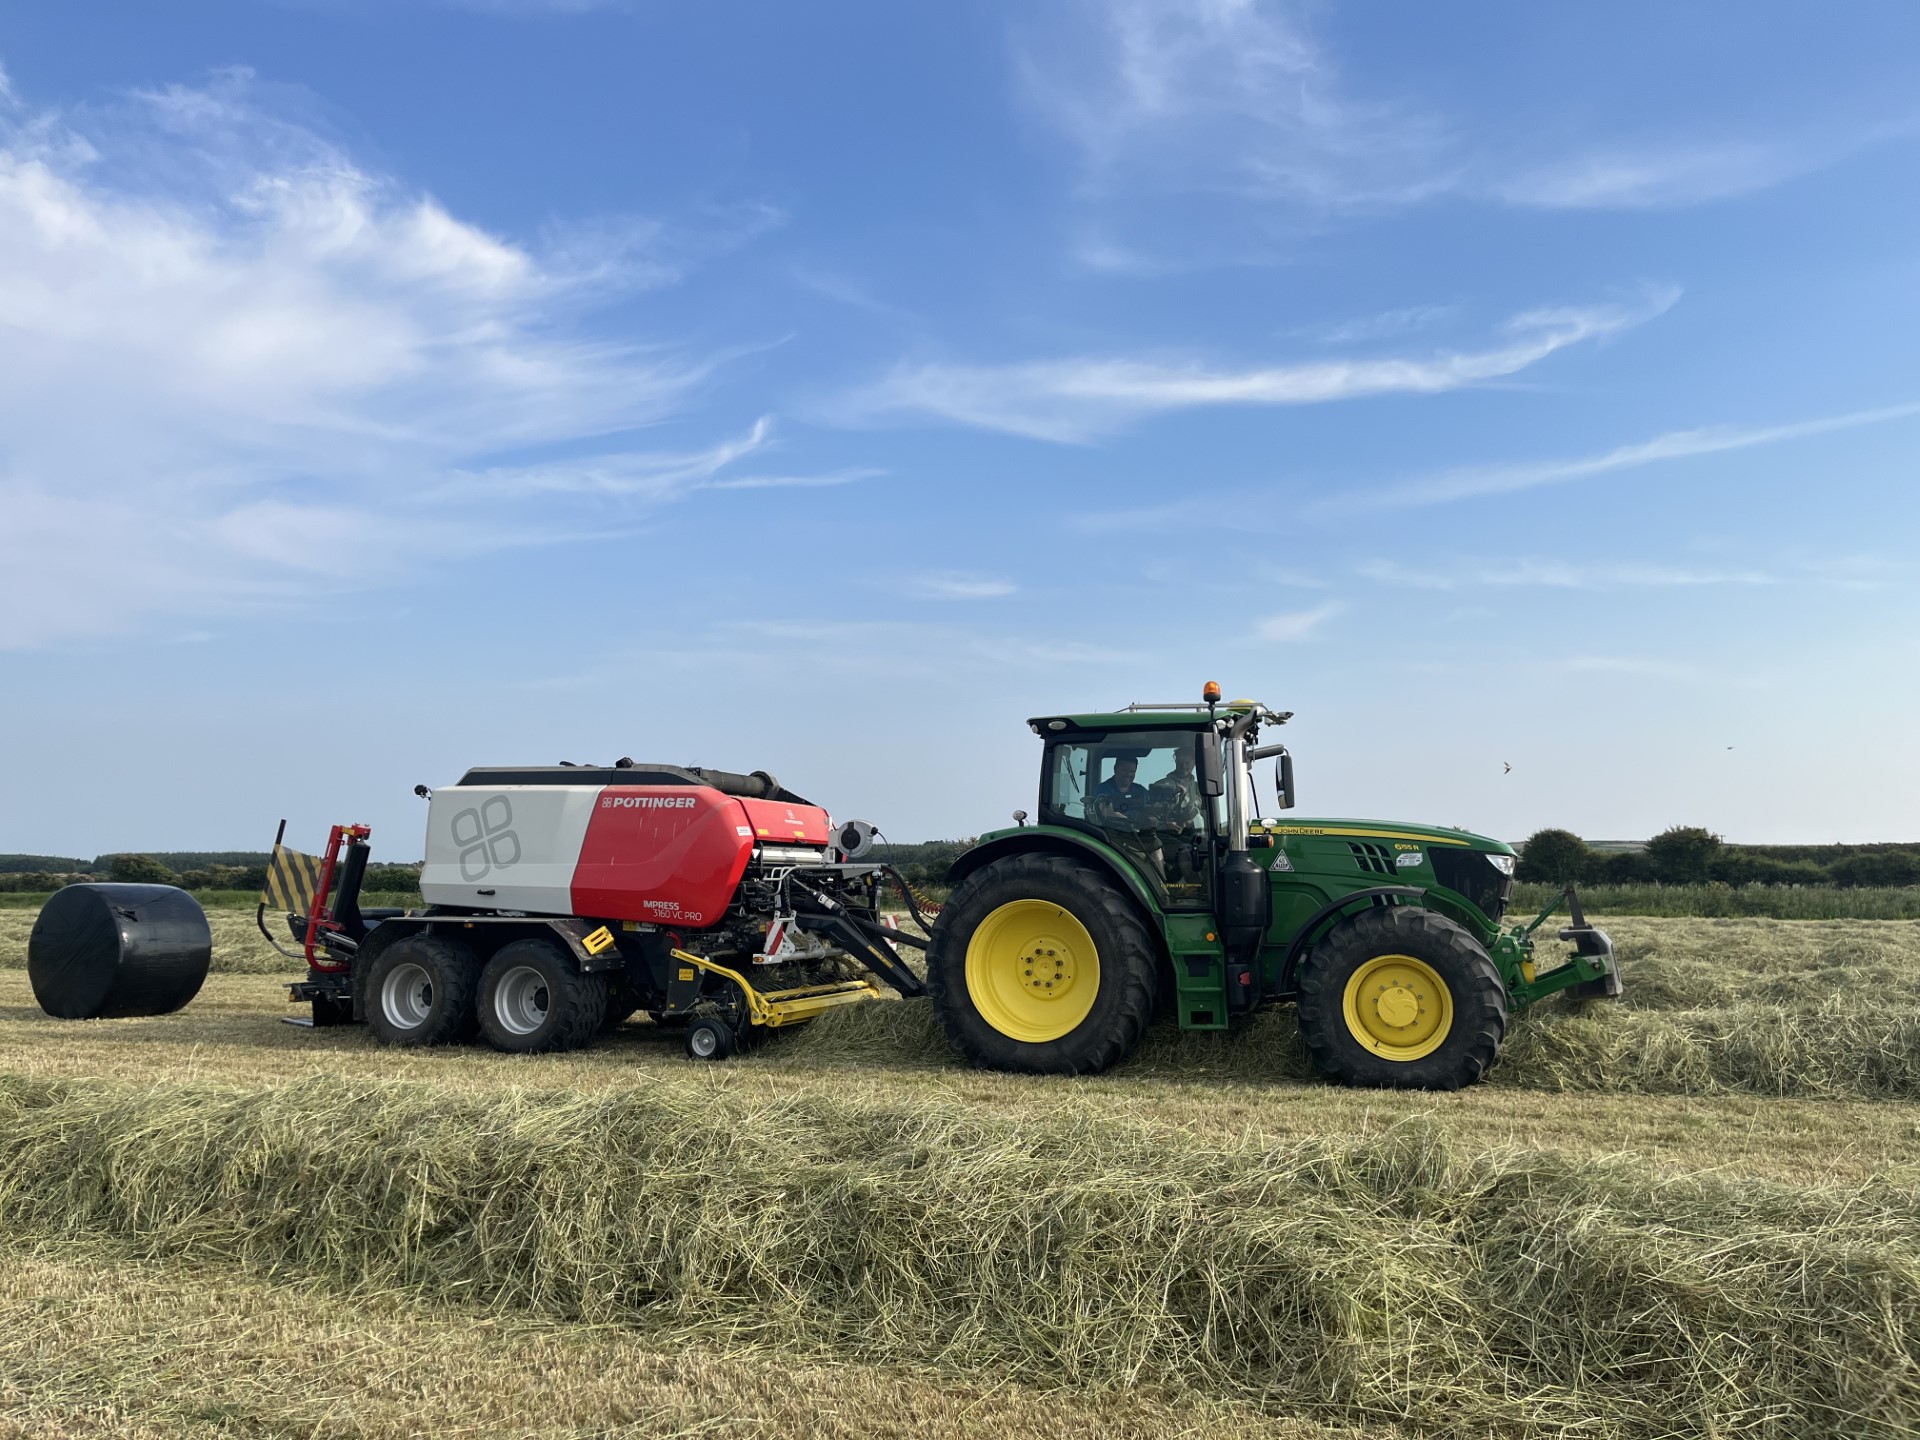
293	879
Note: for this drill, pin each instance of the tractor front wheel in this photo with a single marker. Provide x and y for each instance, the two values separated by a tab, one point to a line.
1401	998
1041	964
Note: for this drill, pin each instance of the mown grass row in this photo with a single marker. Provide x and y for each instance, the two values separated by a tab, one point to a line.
1392	1281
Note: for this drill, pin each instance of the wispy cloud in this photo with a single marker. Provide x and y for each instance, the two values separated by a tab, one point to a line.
1569	575
1387	324
958	585
828	481
1672	172
843	291
1655	177
1080	399
632	473
1220	95
1297	624
1469	483
299	356
1240	99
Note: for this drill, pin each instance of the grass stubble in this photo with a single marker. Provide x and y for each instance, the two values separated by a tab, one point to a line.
1202	1239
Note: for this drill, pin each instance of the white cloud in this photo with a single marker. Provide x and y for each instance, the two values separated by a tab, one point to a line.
647	475
231	350
1387	324
1674	445
958	585
1655	177
828	481
843	291
1076	400
1223	96
1297	624
1238	99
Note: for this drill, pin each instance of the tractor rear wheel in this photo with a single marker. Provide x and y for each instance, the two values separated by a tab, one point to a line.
420	991
1041	964
1399	997
533	999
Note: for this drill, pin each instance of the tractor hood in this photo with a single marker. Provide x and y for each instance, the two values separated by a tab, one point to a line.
1383	830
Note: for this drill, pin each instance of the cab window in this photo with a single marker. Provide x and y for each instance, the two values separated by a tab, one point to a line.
1141	790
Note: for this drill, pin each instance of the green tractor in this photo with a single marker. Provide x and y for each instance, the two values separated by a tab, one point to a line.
1148	885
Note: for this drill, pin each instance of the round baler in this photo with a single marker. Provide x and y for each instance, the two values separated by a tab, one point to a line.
562	899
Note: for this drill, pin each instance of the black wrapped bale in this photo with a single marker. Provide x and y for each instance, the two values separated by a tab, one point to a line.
99	951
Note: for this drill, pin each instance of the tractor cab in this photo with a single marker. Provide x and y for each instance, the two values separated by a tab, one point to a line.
1151	792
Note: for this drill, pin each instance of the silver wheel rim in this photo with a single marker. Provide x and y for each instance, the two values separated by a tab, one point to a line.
520	1000
704	1041
406	996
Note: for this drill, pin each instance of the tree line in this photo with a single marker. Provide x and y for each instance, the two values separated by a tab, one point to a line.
215	870
1692	855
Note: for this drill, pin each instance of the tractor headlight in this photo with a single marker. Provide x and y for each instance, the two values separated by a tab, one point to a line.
1502	863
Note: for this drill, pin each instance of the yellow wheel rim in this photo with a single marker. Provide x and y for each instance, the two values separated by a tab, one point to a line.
1032	970
1398	1007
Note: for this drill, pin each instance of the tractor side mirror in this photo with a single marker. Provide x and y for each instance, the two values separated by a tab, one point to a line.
1212	783
1283	780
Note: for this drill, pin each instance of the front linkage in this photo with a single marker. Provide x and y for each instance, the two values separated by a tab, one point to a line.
1591	973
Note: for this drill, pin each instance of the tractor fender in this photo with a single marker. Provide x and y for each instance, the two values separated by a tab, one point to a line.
1049	840
1303	939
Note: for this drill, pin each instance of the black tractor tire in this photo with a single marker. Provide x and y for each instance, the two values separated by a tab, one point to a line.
1125	966
534	1000
419	991
1477	1000
709	1037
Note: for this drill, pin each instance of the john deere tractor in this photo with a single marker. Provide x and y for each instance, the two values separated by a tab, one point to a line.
1147	885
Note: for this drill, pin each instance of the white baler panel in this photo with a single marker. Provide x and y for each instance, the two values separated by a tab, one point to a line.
506	847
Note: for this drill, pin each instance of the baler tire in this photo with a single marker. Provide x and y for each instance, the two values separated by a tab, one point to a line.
1385	937
710	1038
1125	962
511	1018
443	1015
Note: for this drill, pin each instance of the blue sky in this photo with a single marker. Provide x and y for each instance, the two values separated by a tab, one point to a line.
389	388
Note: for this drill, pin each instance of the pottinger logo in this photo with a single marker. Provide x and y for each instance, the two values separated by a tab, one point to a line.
646	802
485	836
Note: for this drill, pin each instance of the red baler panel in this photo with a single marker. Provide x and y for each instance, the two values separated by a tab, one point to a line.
775	822
667	853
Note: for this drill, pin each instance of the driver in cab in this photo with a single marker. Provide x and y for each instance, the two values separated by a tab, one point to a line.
1117	800
1174	798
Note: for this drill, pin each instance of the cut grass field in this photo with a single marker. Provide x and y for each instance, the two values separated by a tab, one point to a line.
1691	1213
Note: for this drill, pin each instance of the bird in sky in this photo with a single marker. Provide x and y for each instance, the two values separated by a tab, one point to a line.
1509	765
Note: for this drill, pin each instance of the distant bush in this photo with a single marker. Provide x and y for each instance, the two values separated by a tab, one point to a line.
1746	867
1621	867
1683	855
139	870
39	881
42	865
925	863
1554	857
1886	867
392	878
